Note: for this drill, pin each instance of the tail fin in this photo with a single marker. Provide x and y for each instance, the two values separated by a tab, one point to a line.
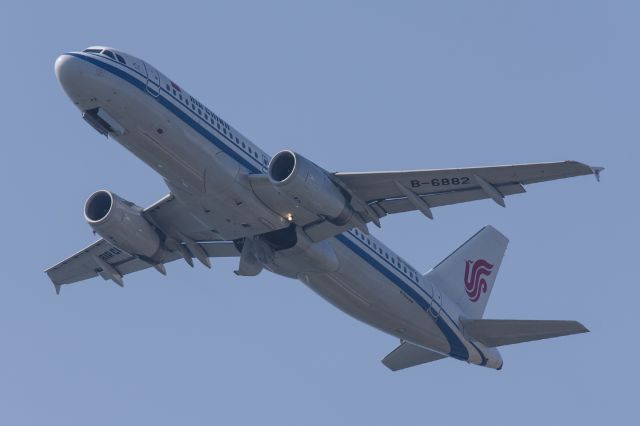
467	275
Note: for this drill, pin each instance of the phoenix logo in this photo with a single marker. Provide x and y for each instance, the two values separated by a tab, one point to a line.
474	282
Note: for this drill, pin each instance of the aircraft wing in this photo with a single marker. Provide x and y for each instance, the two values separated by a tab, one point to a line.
396	192
172	219
90	262
169	215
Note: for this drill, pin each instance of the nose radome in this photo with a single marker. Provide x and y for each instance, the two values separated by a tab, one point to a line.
68	69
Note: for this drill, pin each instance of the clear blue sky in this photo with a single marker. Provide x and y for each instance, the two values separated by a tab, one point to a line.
355	86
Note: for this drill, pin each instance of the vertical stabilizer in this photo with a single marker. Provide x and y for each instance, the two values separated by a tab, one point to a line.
467	275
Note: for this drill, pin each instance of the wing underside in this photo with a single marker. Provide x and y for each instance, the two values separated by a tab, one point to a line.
397	192
170	217
373	195
88	263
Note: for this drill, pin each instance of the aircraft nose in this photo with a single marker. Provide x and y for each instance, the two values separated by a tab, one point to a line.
66	68
69	70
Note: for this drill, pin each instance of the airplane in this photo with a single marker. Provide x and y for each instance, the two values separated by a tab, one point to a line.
288	215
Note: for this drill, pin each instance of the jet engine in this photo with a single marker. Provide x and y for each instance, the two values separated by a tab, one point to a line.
122	224
309	186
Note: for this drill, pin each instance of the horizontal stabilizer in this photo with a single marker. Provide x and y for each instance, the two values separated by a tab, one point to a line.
492	332
409	355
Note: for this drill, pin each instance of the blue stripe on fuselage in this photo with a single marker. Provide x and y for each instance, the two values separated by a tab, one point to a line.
172	108
458	349
387	265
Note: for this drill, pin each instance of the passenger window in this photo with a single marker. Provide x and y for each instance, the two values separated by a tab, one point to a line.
249	150
237	141
243	145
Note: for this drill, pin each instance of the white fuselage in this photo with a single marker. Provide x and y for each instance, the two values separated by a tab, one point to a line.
206	164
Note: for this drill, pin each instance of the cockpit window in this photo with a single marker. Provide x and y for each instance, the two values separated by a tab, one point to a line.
109	54
92	50
121	59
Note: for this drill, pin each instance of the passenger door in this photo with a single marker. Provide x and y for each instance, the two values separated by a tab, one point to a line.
153	80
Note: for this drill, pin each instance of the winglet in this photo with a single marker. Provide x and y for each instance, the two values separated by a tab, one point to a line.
596	171
57	286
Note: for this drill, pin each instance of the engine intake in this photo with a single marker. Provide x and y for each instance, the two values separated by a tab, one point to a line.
309	186
98	206
122	224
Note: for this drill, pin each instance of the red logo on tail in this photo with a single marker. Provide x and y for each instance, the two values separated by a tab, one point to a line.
474	282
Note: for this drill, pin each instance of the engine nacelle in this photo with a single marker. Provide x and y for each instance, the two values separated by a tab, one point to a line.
309	185
122	224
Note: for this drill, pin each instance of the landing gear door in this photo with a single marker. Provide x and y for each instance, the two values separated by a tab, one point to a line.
153	80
